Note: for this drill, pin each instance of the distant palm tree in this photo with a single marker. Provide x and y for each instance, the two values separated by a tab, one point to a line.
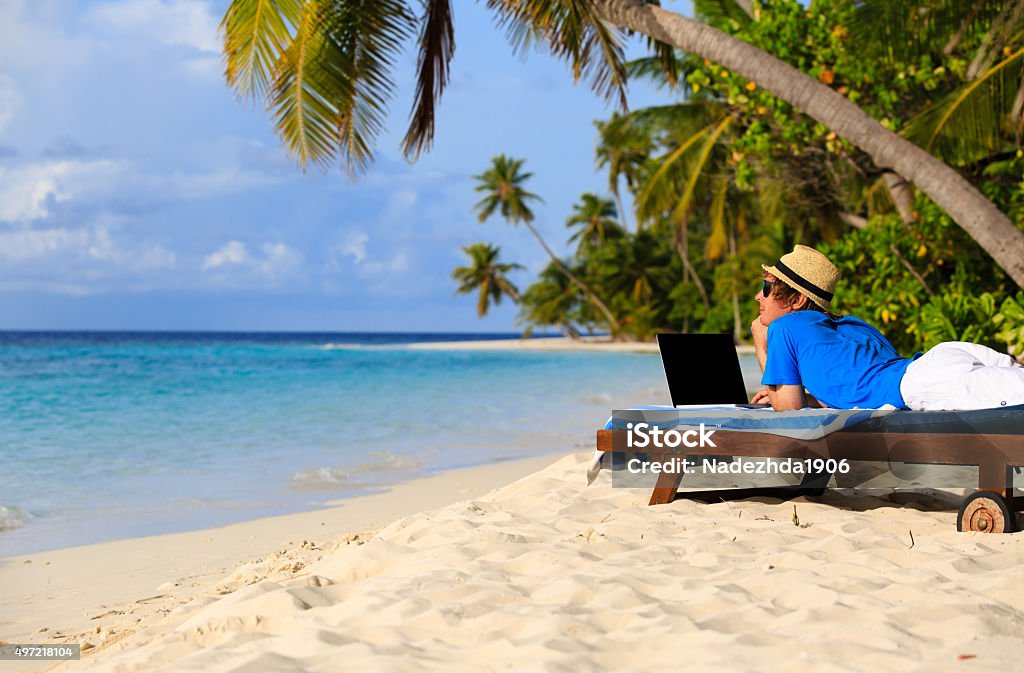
486	275
325	69
502	185
595	218
623	148
551	301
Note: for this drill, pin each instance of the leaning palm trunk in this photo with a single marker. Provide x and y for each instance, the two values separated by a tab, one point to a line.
622	212
683	250
738	328
567	330
965	204
613	324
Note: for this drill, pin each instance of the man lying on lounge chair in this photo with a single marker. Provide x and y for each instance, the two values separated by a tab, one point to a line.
811	358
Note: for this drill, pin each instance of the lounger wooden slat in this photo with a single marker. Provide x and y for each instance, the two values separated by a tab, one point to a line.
995	453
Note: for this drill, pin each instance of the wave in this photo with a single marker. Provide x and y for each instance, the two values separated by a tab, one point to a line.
386	468
12	517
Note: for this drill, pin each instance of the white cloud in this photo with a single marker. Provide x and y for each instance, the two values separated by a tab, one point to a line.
89	250
232	252
399	262
155	257
172	22
274	262
34	48
10	100
27	192
26	244
279	260
355	246
207	68
213	183
400	204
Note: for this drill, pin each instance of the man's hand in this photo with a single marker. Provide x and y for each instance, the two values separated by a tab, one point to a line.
760	334
761	397
782	398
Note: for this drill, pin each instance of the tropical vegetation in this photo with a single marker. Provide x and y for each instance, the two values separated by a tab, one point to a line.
885	132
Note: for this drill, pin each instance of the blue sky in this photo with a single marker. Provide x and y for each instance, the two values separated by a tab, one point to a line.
137	192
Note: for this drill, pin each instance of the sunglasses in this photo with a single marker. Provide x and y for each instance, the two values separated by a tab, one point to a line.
766	288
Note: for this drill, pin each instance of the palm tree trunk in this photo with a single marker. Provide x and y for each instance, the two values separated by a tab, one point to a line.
993	42
737	327
966	205
613	324
683	248
954	41
622	211
902	195
855	221
568	330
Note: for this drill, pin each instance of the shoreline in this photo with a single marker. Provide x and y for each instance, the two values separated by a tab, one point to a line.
97	592
546	573
596	344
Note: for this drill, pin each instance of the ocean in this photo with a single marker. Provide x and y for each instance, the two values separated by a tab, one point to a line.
114	435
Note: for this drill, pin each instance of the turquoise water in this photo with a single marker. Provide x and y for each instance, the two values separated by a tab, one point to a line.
106	436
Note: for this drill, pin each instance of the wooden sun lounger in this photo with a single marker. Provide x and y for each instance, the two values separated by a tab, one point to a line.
991	439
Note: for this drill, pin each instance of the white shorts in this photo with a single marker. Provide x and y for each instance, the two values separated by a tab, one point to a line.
960	375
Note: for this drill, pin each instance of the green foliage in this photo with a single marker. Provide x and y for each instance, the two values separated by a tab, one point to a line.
1010	321
922	285
733	177
958	317
485	275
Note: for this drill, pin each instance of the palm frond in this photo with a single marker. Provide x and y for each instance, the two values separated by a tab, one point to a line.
719	13
677	121
718	240
699	169
333	82
437	46
900	29
256	33
972	121
653	69
655	184
574	33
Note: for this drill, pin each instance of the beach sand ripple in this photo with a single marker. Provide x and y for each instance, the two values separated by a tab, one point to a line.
547	575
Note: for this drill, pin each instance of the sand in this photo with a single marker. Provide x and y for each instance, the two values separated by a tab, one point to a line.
99	593
547	574
595	344
541	574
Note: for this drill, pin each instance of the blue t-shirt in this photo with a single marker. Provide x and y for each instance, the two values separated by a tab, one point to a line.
844	362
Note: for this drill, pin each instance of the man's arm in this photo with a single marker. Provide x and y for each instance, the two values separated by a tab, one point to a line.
763	396
787	397
759	333
781	397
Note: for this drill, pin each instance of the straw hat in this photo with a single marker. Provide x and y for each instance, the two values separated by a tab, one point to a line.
808	272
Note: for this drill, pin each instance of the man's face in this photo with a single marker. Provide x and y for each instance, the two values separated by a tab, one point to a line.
771	308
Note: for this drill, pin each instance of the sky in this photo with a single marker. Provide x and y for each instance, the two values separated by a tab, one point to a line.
138	192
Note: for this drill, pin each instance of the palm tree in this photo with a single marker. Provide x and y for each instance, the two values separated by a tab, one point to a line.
595	218
551	301
325	68
623	147
945	186
486	275
502	185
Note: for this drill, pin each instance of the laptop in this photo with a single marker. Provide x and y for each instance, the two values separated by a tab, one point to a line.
702	369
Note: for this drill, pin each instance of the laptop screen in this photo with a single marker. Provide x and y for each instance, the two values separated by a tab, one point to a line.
702	369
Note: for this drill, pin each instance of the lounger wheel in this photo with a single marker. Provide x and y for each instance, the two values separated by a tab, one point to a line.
986	512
